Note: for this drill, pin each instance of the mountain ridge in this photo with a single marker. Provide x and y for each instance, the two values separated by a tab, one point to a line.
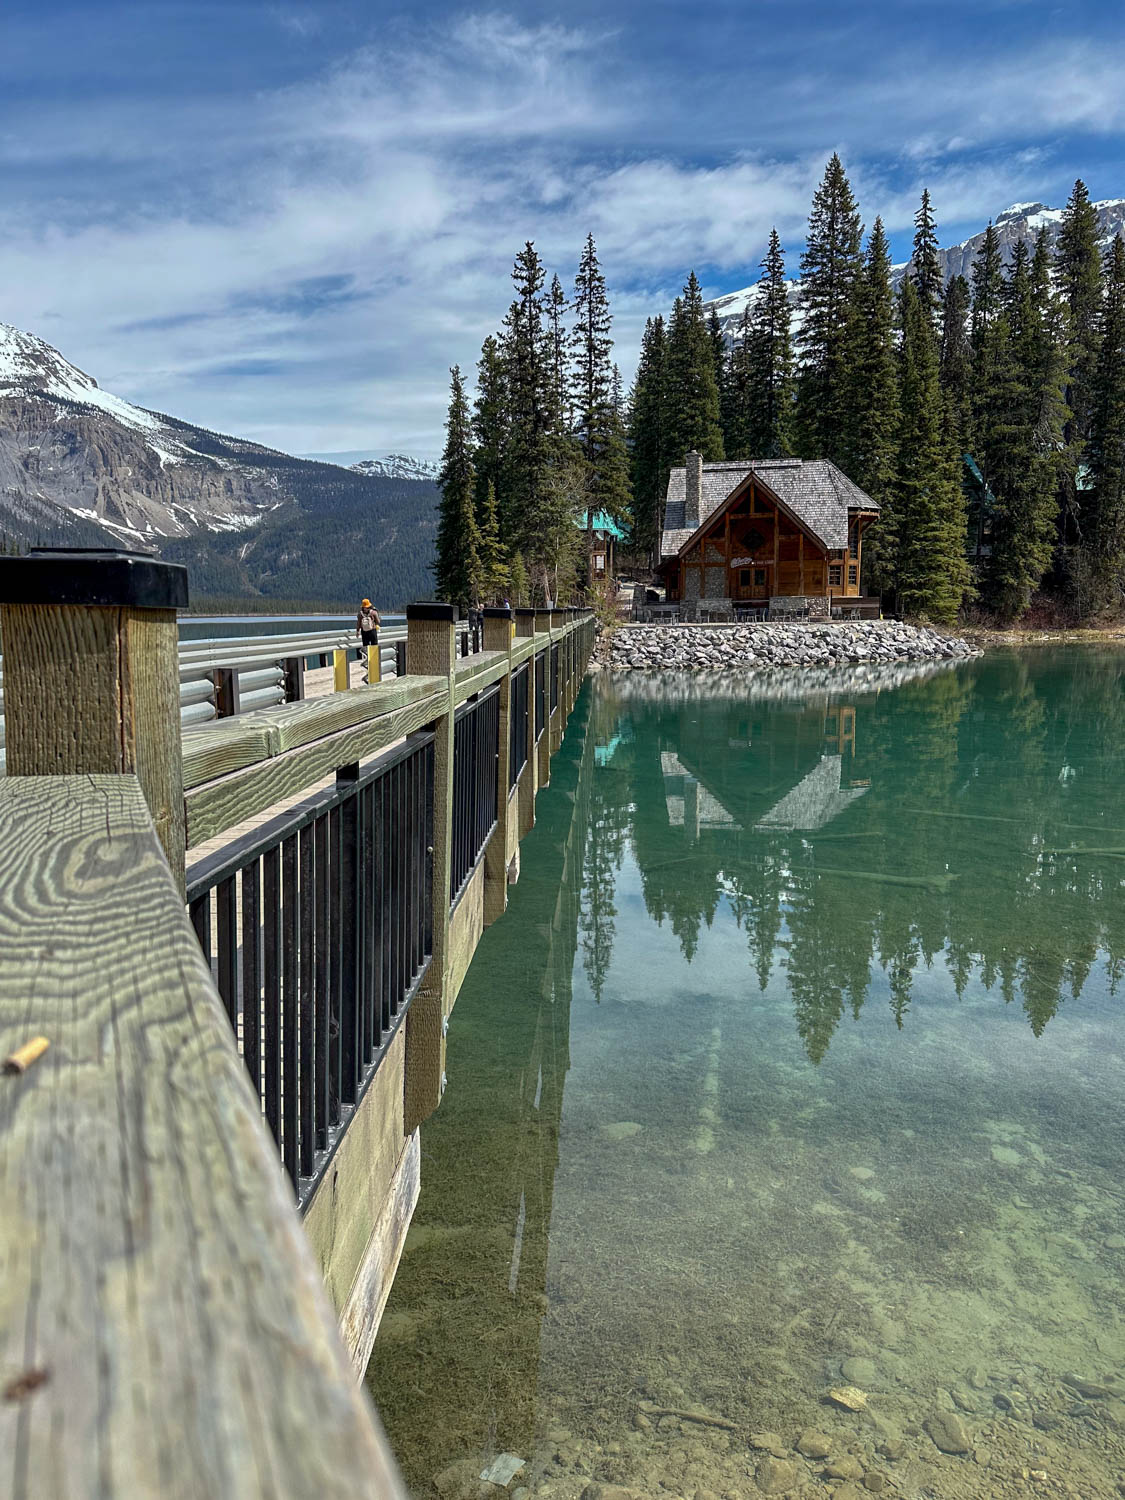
1020	221
82	467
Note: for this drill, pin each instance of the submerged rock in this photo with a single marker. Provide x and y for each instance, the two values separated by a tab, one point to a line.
814	1444
948	1433
774	1476
850	1397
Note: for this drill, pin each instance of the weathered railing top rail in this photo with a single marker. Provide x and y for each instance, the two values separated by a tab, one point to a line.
236	768
165	1328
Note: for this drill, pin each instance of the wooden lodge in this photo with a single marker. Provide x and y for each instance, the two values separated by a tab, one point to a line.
779	536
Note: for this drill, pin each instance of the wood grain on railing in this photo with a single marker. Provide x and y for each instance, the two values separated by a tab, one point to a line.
165	1330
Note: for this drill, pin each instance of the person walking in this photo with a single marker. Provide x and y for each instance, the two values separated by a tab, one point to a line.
367	623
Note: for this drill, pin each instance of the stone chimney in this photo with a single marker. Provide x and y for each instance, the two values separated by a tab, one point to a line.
693	488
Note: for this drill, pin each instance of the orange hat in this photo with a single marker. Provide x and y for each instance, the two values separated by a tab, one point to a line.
366	603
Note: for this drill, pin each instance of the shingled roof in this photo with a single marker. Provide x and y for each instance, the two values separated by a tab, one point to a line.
814	489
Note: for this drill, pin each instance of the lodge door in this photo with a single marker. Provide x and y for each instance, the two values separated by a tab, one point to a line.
751	582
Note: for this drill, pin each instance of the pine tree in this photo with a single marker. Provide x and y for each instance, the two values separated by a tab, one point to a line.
988	287
931	575
768	364
648	438
734	392
829	268
1104	528
490	430
719	361
869	403
457	572
559	355
1020	433
925	266
530	412
956	360
612	491
693	395
1078	277
593	380
493	572
518	583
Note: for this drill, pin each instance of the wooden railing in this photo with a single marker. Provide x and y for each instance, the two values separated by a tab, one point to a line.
165	1323
318	928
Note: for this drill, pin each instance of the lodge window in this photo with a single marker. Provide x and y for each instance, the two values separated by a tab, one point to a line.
744	578
835	575
853	575
853	538
759	575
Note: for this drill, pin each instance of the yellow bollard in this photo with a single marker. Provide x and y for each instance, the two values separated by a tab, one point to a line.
374	665
340	670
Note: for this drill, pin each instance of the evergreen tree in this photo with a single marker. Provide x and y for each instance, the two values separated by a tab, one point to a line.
457	571
829	268
734	392
490	430
648	438
719	361
1078	277
612	490
531	415
956	360
559	393
1022	436
493	572
931	574
593	383
869	403
925	267
768	362
1104	527
988	287
693	395
518	583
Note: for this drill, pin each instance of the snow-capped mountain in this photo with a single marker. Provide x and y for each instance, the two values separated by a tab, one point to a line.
397	466
74	454
1022	221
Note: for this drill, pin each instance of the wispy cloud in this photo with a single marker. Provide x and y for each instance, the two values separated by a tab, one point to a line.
302	261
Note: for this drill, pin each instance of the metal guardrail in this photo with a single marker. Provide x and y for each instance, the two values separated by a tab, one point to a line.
257	663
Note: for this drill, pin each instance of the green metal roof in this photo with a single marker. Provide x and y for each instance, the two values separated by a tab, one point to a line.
602	522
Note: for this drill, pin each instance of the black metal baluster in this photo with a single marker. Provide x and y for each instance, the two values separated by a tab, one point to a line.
252	976
271	968
387	1009
290	1045
349	991
323	969
428	877
226	900
200	912
306	1004
334	984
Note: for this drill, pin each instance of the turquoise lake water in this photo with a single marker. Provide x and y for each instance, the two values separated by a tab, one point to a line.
795	1066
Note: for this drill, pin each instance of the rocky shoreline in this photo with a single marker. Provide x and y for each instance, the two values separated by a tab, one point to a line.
699	648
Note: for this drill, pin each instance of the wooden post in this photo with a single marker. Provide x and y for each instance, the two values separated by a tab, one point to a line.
91	673
374	665
525	626
340	669
294	669
498	637
226	692
543	756
431	651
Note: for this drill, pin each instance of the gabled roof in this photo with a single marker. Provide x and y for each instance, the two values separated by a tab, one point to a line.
814	490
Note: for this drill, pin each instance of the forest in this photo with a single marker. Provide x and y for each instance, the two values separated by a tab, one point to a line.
985	416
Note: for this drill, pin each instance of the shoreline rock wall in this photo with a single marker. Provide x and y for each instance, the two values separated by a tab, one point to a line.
703	648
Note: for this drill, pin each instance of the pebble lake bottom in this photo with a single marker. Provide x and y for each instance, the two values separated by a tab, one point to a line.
784	1139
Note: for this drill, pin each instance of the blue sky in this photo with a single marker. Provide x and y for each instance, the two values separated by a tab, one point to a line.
287	220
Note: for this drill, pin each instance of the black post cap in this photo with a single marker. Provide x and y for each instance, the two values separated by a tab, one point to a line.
497	612
523	610
99	577
431	610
